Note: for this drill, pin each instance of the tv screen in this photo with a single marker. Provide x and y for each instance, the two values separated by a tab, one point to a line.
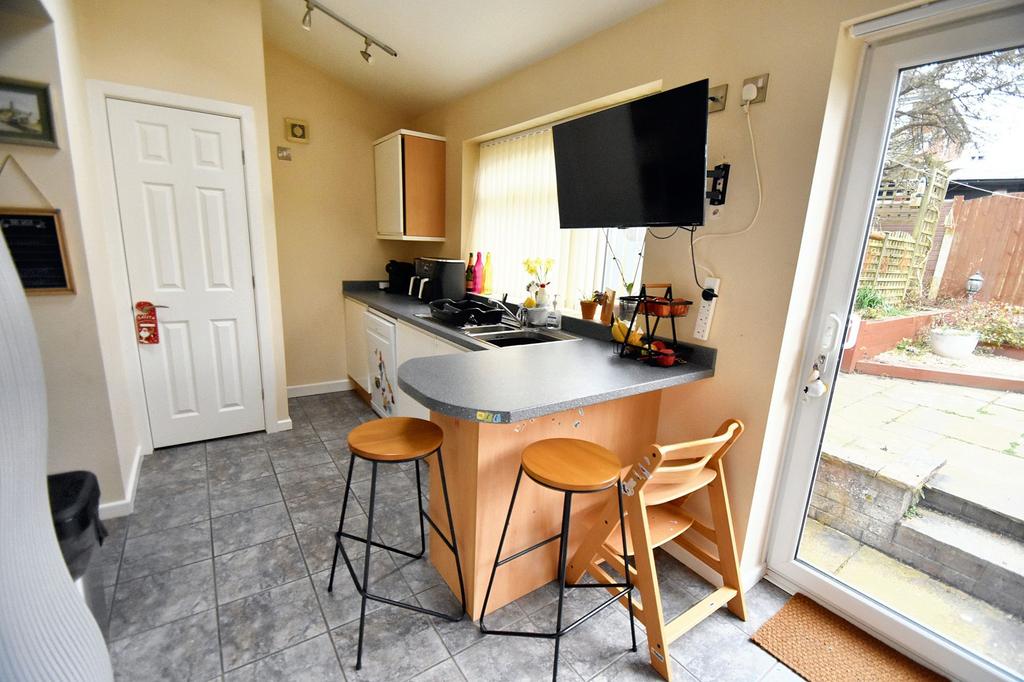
642	163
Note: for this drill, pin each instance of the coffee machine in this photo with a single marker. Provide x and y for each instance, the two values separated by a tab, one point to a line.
438	278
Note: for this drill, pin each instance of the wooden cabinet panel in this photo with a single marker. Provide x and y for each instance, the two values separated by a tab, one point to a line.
424	187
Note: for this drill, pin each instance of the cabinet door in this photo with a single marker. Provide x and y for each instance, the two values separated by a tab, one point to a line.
424	187
445	348
387	169
355	343
412	343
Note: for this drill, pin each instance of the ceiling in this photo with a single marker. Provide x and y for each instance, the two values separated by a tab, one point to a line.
446	48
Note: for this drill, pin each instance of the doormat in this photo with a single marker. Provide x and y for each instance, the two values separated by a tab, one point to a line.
822	647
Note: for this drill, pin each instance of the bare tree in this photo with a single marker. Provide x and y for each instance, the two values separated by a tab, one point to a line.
939	105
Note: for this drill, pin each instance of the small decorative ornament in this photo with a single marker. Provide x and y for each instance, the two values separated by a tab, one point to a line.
296	130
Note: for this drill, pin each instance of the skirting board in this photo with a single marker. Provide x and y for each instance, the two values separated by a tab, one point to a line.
316	389
749	576
112	510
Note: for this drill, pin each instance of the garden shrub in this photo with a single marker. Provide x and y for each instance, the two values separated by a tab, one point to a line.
998	324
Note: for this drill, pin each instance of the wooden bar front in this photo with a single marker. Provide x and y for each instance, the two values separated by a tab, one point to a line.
481	461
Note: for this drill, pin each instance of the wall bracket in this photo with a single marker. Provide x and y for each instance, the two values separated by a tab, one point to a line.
719	177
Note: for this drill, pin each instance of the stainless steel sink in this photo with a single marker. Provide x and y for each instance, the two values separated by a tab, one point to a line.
522	337
488	329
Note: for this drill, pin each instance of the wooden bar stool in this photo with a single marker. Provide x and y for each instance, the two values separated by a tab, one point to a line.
391	441
568	466
656	488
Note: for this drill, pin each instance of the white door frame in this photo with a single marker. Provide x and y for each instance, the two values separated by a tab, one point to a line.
866	144
98	92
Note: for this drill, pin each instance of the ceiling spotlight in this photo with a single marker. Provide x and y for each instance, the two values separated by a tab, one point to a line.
307	18
365	52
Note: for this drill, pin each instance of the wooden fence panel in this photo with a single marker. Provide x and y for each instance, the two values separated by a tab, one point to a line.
989	238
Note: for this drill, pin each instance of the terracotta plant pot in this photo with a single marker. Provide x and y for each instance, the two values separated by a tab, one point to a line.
589	309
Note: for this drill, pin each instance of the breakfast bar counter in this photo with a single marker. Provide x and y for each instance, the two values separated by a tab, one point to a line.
492	404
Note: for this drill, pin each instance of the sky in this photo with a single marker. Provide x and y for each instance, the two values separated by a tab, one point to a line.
999	153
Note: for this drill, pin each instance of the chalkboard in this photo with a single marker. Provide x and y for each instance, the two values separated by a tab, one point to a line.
36	241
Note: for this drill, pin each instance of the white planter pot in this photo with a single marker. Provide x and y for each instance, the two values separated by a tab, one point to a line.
953	343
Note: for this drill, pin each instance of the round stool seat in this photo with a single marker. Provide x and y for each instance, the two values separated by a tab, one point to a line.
571	465
395	439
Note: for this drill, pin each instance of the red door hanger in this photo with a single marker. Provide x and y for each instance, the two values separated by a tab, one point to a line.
147	330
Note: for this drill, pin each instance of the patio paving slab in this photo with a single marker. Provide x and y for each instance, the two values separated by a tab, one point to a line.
969	622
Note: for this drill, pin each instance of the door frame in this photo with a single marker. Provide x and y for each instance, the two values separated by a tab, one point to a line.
98	92
846	235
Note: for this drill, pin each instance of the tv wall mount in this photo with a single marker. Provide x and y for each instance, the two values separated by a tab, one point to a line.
719	177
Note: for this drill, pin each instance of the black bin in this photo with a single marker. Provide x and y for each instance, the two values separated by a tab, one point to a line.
74	503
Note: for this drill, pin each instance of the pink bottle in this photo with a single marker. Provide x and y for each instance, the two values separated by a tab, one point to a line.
478	273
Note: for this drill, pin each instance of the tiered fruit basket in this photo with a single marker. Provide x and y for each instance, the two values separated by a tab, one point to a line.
640	340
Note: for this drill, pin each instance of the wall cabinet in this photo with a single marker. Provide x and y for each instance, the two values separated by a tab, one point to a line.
355	344
409	171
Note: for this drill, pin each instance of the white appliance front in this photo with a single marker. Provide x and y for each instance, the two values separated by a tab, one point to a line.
181	196
382	363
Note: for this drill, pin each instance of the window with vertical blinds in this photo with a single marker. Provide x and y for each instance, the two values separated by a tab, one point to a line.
515	217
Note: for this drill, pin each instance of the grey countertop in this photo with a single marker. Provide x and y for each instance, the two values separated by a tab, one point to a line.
523	382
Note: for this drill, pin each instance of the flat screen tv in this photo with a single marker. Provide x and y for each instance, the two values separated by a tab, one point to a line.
642	163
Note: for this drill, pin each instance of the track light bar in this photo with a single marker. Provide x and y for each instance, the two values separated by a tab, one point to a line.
370	40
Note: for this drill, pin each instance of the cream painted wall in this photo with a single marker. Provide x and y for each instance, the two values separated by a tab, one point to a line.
198	48
765	297
325	209
81	421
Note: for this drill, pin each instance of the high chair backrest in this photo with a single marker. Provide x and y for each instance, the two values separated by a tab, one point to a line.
681	463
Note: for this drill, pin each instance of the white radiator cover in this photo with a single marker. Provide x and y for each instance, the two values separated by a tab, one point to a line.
46	630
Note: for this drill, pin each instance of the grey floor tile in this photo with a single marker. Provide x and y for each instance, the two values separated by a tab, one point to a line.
267	622
672	570
183	650
161	598
314	479
250	527
241	465
185	463
342	605
298	456
462	634
780	673
596	643
420	574
234	444
512	659
445	671
169	506
718	649
335	426
297	435
164	550
320	509
393	487
539	598
258	568
311	661
397	524
763	601
245	495
636	667
397	644
109	555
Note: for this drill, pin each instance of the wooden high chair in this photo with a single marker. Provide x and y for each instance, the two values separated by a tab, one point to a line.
654	491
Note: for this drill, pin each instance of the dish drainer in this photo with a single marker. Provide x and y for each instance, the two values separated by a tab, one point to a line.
657	308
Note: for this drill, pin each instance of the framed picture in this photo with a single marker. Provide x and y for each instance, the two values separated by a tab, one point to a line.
35	238
296	130
26	116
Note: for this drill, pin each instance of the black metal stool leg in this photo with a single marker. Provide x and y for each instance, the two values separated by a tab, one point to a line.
563	546
451	529
366	564
419	500
625	564
501	544
341	521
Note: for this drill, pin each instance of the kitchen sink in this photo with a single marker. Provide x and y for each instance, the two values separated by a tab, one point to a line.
488	329
522	337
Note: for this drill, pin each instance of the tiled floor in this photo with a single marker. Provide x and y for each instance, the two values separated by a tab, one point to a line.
221	573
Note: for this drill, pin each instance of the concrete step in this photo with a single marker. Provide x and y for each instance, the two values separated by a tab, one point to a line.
972	558
955	500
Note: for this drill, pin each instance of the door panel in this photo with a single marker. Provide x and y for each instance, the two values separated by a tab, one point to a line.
181	195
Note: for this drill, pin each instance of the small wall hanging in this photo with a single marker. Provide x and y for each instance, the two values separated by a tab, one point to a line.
26	116
36	240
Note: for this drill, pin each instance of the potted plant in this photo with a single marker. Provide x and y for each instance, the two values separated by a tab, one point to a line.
538	269
954	335
589	305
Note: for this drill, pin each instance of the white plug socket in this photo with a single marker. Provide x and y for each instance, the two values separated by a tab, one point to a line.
706	311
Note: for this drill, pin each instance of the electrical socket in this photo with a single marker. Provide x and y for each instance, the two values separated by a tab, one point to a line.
761	83
717	95
706	311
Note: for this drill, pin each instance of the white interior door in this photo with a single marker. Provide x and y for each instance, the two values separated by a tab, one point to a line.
181	195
